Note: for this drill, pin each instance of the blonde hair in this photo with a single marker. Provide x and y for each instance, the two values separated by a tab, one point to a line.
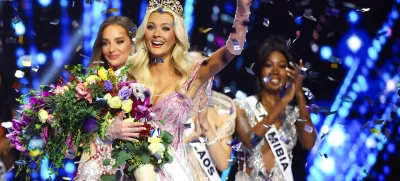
140	62
123	21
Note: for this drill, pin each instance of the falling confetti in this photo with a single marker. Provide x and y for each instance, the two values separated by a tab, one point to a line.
375	131
250	69
204	30
331	78
55	22
323	135
369	100
84	56
266	22
19	74
334	59
290	14
310	17
227	90
66	178
112	10
20	39
16	20
323	155
308	128
309	94
26	60
365	125
363	9
266	79
297	36
35	68
20	162
75	24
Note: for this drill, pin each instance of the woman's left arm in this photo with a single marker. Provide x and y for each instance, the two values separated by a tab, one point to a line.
234	45
305	129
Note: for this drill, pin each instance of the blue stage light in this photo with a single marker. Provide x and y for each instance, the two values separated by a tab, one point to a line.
298	20
362	82
391	148
19	28
353	17
354	43
229	8
394	14
372	53
326	52
56	54
45	3
19	52
336	137
348	61
362	109
41	58
315	118
63	3
188	12
343	112
356	87
327	165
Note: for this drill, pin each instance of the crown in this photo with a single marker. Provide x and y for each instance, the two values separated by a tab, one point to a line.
173	5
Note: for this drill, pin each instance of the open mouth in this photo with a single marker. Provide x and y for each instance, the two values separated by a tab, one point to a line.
157	43
274	81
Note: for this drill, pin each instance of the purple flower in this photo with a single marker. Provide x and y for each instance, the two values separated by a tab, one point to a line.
125	92
108	85
122	84
90	125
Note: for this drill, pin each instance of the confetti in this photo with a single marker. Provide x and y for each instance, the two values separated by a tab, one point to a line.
66	178
347	99
331	34
268	1
379	121
35	68
6	125
20	162
308	128
21	39
331	78
323	155
334	59
349	5
290	14
365	125
306	164
297	36
334	65
363	9
310	17
309	94
16	20
55	22
84	56
112	10
250	69
204	30
375	131
266	22
284	139
26	60
75	24
323	135
288	43
227	90
266	79
19	74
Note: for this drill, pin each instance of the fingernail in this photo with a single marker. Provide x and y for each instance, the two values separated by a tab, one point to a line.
287	68
288	74
144	129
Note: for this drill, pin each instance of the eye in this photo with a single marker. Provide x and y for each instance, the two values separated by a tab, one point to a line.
104	43
166	29
150	27
282	66
120	42
268	65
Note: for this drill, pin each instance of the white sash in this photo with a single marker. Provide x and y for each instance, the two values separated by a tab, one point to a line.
272	136
175	170
204	159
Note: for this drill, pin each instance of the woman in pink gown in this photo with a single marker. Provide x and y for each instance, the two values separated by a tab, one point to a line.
179	86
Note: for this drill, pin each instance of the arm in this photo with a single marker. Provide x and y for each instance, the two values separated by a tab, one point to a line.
307	140
244	129
218	60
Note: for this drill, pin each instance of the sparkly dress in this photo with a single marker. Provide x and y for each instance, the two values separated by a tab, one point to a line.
221	107
254	159
176	108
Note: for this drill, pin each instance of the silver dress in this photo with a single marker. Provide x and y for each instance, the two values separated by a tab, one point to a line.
254	158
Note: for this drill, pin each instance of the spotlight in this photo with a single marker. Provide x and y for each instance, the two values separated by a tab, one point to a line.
353	17
326	52
44	3
354	43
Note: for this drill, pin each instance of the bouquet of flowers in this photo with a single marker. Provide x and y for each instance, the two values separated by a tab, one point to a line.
141	158
59	119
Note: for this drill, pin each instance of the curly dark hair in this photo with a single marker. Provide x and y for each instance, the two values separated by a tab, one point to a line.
273	43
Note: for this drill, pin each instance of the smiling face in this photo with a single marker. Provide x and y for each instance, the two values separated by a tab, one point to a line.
275	69
160	35
116	45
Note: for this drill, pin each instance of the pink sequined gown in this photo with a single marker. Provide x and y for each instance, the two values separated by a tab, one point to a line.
175	109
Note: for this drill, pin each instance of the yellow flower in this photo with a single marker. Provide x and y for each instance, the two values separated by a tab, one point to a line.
127	105
157	147
129	120
154	139
34	153
102	73
115	102
66	88
107	96
92	79
43	115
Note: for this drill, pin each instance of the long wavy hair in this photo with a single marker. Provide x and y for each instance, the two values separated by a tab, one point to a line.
124	22
181	60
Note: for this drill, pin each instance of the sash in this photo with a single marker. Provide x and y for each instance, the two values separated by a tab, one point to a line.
272	137
204	159
175	170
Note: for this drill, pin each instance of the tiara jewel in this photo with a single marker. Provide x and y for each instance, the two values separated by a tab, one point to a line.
173	5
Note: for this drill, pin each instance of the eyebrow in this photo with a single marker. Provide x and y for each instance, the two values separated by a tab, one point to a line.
114	38
170	24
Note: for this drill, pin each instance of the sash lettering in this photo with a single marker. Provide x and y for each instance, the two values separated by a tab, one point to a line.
204	159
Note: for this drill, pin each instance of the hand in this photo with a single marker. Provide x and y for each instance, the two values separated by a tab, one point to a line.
245	2
124	130
296	78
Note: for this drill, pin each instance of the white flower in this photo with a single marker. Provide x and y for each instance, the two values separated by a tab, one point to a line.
138	90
